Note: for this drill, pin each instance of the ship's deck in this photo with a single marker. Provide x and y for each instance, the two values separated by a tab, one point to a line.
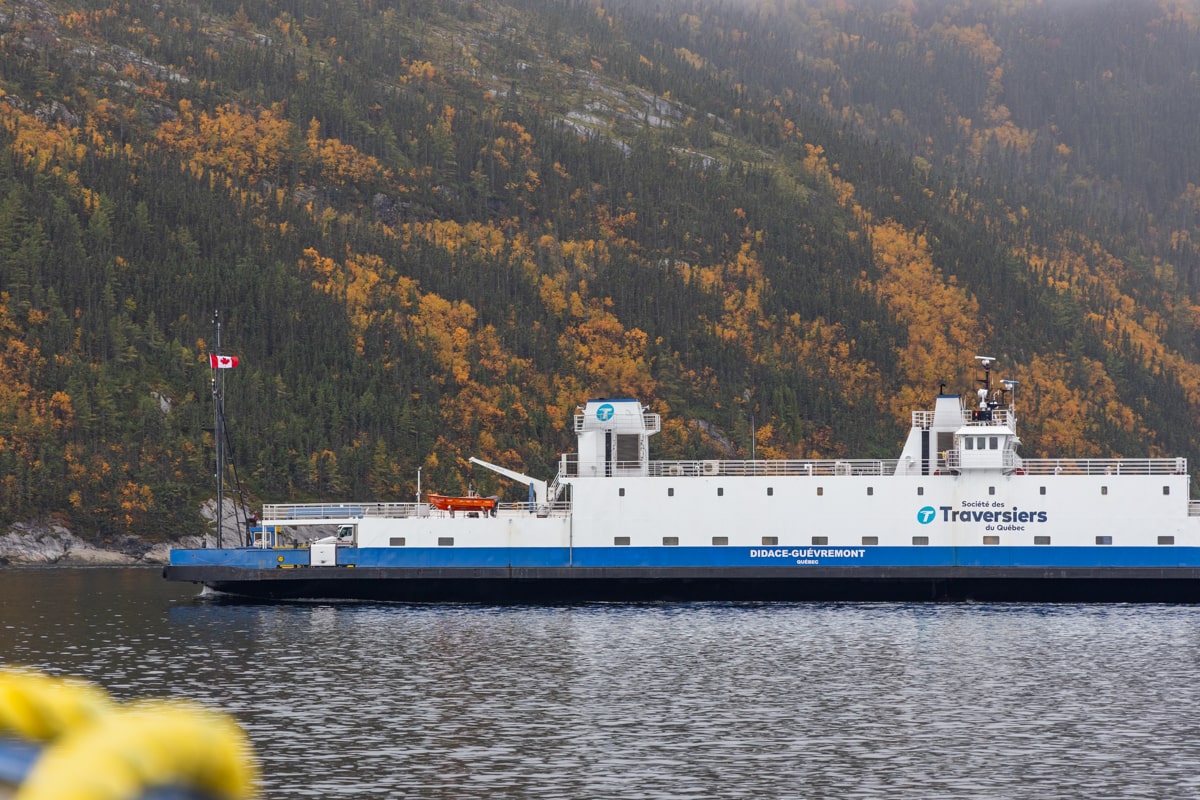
330	513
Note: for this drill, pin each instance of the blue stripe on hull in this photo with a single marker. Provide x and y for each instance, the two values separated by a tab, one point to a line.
888	556
244	557
467	557
456	556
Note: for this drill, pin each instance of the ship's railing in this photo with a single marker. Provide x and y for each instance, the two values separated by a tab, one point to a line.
872	466
569	467
953	459
800	467
325	513
1000	416
1194	508
1104	466
651	423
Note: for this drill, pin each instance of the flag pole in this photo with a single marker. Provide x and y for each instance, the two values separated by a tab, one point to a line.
217	386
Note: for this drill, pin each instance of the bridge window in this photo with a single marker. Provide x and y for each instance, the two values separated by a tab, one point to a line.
968	443
720	540
628	448
621	541
870	541
994	443
770	541
820	540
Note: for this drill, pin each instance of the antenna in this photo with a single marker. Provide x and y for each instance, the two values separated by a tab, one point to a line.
986	363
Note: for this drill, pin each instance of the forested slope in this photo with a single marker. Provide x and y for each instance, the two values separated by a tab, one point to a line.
434	227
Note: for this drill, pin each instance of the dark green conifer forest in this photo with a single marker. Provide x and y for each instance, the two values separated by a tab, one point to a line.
433	228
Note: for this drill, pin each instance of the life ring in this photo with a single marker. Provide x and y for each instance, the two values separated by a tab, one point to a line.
1019	471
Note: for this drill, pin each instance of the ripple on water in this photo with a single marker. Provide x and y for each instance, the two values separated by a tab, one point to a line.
646	701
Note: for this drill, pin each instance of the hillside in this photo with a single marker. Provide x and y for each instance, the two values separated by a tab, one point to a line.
432	229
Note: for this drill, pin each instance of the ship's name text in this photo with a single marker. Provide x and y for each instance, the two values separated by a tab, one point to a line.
808	552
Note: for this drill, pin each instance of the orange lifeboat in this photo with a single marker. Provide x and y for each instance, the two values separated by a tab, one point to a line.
472	503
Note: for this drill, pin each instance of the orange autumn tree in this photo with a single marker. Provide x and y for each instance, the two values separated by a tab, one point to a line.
251	144
943	318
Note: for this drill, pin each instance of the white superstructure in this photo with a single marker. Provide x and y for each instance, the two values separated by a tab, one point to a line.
957	483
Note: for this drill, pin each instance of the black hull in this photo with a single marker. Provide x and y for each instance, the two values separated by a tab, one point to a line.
574	584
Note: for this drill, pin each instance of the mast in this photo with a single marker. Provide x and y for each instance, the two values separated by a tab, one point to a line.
218	381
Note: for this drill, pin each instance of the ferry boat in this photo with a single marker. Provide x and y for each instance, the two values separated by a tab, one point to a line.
959	515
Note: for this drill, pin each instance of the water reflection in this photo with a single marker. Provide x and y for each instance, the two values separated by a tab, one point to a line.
704	700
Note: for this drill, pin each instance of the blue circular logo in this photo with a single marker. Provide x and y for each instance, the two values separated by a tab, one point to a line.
605	412
926	515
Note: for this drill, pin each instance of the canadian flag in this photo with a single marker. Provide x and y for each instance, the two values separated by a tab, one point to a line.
222	362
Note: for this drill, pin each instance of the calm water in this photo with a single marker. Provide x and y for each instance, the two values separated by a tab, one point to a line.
647	701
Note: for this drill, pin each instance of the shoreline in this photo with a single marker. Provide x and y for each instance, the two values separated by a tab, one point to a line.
49	543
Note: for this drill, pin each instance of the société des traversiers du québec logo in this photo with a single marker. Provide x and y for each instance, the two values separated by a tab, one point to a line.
991	513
